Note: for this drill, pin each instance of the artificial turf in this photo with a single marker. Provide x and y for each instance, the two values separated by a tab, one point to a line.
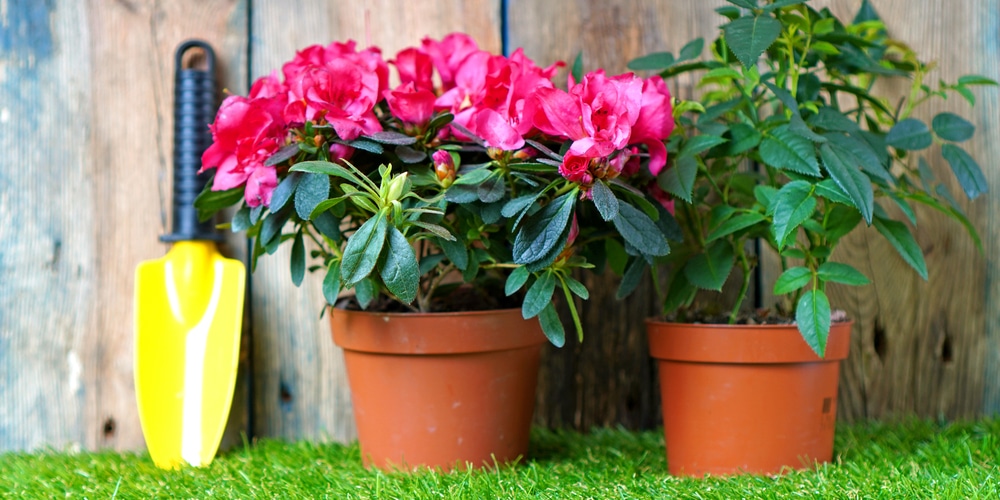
912	459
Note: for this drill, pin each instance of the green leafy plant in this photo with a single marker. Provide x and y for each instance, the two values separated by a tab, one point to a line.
792	143
472	180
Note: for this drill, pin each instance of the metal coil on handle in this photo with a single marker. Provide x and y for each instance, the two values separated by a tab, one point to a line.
195	106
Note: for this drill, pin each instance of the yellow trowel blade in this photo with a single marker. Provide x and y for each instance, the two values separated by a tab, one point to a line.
188	316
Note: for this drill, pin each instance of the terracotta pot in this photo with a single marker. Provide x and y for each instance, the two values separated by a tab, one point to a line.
752	399
443	389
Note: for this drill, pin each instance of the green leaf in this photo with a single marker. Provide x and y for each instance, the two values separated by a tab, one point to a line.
910	134
472	269
750	36
813	317
577	70
902	240
679	293
747	4
539	295
604	200
576	287
363	249
781	3
298	260
785	149
285	153
841	273
328	226
655	62
331	282
409	155
365	292
369	146
286	188
328	168
699	144
679	180
391	137
709	270
828	188
272	226
829	119
516	280
691	50
542	231
632	277
616	255
552	326
398	267
794	204
429	262
734	224
640	231
241	220
840	220
466	187
312	189
866	13
952	127
841	165
976	80
744	138
860	153
966	170
792	279
456	252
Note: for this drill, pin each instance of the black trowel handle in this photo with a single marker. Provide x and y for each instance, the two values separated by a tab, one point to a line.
194	108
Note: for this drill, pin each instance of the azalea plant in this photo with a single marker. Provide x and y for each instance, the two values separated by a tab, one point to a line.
475	173
791	143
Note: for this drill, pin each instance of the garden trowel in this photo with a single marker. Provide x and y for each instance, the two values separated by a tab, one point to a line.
188	304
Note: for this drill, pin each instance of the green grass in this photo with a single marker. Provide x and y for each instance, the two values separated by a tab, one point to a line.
916	459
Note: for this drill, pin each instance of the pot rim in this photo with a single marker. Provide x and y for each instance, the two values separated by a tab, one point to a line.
755	344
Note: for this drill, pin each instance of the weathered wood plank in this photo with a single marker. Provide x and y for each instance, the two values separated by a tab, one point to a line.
86	93
301	388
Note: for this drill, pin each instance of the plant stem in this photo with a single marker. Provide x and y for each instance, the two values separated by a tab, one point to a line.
745	286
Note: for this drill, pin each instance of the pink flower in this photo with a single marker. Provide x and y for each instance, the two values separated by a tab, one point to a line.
448	54
655	122
246	132
318	56
597	114
444	167
415	66
411	106
576	169
341	92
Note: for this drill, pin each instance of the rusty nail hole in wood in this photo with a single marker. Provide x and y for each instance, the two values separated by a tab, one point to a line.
880	342
109	428
285	394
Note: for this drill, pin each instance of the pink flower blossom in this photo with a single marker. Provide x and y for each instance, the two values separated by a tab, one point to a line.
246	132
414	65
410	105
341	92
576	168
318	56
655	122
448	55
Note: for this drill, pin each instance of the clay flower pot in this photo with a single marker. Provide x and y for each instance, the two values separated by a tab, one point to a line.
440	390
746	399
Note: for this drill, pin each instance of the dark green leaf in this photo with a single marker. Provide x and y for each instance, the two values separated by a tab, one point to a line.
830	119
516	280
370	146
577	288
862	154
604	200
734	224
465	189
680	292
577	70
709	270
781	3
747	4
793	205
409	155
750	36
691	50
910	134
787	150
632	277
975	80
241	220
843	169
640	231
902	240
209	202
866	13
679	180
312	189
472	269
365	292
492	189
539	295
363	249
765	195
952	127
331	282
398	267
841	273
655	61
272	226
828	188
391	137
328	226
552	326
813	317
298	260
429	262
283	193
519	205
699	144
792	279
840	220
282	154
328	168
434	229
967	171
744	138
616	255
456	251
541	232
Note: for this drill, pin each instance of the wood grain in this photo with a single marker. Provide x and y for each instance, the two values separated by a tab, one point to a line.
301	387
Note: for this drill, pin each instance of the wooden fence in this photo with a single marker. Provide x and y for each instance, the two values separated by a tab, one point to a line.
85	177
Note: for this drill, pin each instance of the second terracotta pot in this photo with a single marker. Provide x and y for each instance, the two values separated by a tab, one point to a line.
441	390
745	399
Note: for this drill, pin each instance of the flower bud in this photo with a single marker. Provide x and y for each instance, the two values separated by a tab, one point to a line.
396	187
444	167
